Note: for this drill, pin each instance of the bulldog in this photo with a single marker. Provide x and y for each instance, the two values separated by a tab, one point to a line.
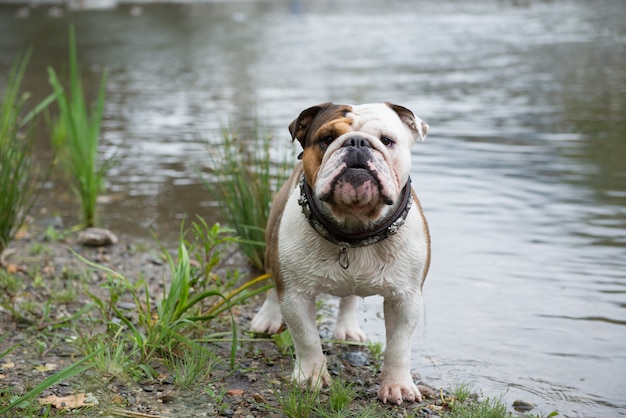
348	223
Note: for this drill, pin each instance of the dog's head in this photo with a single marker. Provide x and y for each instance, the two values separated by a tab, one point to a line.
357	159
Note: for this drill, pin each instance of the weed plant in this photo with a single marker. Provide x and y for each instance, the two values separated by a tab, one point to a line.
245	181
75	135
186	312
18	184
209	248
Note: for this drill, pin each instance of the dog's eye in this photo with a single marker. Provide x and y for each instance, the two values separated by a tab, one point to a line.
388	142
326	141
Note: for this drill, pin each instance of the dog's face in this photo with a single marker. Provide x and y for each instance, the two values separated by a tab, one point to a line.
357	159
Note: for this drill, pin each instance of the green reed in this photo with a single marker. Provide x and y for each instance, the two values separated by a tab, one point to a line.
18	183
75	135
245	181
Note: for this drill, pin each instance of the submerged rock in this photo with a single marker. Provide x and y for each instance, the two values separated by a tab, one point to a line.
523	406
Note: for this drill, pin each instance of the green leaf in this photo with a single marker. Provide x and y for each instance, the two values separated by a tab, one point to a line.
283	341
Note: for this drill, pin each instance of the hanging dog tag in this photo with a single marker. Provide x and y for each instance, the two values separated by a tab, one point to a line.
343	256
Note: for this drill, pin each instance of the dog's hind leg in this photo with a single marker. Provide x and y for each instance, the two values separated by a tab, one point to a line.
268	319
347	326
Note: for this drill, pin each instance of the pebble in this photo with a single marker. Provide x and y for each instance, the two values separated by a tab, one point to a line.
427	392
168	396
96	237
356	358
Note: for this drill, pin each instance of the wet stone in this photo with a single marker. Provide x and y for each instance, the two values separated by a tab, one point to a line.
356	358
523	406
96	237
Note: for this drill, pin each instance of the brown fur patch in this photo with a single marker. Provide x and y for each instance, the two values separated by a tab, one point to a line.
327	118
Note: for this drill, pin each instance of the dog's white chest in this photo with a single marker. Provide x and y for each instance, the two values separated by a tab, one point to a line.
310	264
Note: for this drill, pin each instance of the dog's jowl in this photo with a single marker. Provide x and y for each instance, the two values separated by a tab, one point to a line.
348	223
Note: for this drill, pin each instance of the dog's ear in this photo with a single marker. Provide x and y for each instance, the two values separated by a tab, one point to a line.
418	127
299	127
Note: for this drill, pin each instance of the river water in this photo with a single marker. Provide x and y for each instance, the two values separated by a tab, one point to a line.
522	178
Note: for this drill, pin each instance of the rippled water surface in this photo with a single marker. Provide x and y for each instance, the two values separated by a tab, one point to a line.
522	178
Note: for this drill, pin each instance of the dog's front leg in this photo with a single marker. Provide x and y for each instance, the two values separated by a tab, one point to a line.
402	315
310	365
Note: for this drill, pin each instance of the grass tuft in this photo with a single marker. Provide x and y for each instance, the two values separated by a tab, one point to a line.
487	408
191	365
245	179
341	395
295	401
461	391
18	184
75	136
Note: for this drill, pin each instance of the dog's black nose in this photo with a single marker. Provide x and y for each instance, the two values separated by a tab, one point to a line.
357	142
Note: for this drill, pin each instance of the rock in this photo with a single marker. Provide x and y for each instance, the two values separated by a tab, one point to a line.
168	395
96	237
427	392
356	358
147	388
235	392
523	406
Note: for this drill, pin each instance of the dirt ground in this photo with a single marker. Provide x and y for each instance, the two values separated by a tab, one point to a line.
38	317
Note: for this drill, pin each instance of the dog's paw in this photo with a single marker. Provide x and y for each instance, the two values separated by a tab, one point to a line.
267	320
312	377
395	392
344	332
264	325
